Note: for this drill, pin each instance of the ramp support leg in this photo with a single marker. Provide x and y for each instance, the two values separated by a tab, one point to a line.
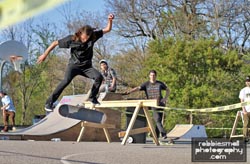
107	134
151	125
81	134
238	116
131	123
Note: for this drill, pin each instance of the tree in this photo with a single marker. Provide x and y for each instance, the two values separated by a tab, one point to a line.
24	87
200	73
227	20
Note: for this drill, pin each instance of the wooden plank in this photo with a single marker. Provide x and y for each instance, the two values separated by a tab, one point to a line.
132	122
81	134
237	136
106	132
122	103
151	125
96	125
134	131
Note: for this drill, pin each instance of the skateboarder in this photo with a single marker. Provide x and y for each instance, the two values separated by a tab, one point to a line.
81	51
245	96
8	110
153	89
109	77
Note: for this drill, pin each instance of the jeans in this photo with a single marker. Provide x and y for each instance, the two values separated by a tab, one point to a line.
72	71
157	115
6	115
245	124
103	88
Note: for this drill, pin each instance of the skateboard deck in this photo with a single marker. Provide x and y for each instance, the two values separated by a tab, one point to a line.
166	143
81	113
169	141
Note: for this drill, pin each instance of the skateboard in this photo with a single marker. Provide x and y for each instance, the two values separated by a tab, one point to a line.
81	113
169	141
166	143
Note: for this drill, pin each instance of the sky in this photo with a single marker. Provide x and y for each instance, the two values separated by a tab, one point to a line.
87	5
54	15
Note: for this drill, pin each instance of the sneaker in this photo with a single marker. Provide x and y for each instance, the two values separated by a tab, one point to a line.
5	129
13	128
48	108
164	137
246	140
95	101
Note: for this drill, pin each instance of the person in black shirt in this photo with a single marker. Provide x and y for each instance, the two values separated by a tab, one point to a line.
153	90
80	63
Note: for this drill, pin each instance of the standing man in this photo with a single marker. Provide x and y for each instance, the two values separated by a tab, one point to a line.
245	96
80	63
109	77
8	110
153	90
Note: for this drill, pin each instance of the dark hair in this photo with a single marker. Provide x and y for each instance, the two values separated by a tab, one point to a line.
4	93
153	71
248	78
87	29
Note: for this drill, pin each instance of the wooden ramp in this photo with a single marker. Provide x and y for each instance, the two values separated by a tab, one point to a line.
56	126
138	104
187	131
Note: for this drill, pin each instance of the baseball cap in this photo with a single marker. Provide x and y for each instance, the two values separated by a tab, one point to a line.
103	61
248	78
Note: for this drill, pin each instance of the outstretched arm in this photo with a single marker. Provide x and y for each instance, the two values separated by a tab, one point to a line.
133	90
42	57
108	28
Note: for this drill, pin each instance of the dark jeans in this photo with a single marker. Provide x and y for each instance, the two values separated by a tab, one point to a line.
157	115
72	71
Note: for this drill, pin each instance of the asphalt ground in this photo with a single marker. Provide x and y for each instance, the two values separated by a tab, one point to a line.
48	152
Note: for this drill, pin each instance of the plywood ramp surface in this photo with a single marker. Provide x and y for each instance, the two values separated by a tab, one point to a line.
179	130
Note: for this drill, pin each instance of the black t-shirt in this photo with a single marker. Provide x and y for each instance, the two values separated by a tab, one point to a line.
81	53
153	90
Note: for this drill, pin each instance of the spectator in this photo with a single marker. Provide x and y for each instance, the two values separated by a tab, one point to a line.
9	111
245	96
153	89
109	77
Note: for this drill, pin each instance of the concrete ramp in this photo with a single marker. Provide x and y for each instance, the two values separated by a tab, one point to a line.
187	131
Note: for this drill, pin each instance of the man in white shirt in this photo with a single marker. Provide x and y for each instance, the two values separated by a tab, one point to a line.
8	111
245	96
